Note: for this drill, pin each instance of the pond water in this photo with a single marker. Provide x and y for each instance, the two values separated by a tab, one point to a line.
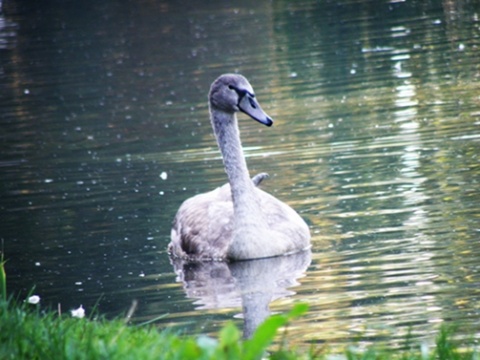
376	144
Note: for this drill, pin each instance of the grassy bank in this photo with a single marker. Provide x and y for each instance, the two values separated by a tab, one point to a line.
27	333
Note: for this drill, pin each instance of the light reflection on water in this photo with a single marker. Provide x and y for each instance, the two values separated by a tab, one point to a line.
375	143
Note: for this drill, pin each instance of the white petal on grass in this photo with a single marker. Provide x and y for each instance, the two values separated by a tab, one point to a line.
78	313
34	299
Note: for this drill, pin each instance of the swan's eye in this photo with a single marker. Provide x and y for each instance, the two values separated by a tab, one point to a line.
241	93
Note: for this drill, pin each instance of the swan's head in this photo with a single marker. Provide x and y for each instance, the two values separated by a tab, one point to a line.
232	93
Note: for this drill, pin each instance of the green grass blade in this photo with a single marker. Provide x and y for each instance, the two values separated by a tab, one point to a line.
3	280
265	333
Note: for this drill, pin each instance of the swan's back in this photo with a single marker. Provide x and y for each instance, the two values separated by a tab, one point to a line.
203	226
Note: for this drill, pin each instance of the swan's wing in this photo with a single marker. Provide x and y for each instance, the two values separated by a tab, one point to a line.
283	219
202	228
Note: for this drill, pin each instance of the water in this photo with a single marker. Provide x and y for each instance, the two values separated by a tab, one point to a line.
105	132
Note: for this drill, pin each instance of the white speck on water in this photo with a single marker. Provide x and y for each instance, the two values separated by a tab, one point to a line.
163	175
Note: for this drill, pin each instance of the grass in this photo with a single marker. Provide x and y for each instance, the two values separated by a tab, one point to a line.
26	332
3	280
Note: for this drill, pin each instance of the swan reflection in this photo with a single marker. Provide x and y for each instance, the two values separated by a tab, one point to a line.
249	284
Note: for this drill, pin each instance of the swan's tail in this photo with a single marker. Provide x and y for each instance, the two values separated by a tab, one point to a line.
257	179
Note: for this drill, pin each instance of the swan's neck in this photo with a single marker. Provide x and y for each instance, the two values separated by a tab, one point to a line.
248	214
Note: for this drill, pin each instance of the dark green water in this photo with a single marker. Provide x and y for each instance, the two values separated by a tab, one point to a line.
376	143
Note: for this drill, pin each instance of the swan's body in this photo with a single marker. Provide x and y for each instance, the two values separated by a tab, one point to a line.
237	221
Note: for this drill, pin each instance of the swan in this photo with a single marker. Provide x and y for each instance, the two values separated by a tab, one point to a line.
236	221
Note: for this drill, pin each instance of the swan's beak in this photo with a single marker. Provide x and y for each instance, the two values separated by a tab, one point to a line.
250	106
